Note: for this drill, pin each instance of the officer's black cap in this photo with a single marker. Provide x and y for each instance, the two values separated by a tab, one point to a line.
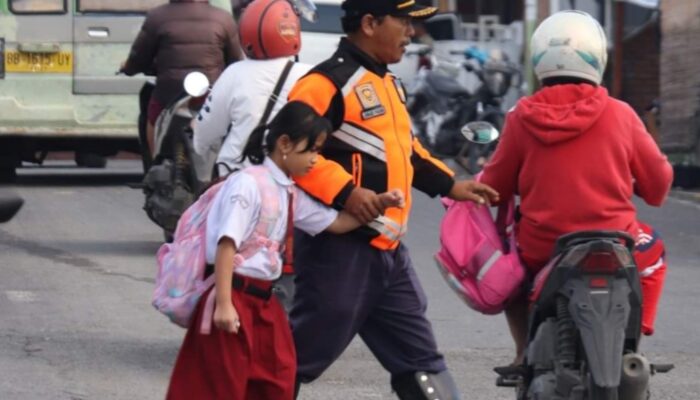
400	8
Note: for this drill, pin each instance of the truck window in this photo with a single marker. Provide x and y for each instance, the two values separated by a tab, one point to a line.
122	6
37	6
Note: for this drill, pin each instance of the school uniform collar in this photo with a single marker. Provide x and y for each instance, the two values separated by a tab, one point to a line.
346	47
277	174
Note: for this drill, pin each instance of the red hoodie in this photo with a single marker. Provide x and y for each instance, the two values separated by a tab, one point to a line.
575	156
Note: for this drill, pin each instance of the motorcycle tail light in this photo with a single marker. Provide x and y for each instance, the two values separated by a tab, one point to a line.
425	62
598	283
195	103
600	262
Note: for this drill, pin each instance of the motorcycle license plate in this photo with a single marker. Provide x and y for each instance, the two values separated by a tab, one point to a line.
59	62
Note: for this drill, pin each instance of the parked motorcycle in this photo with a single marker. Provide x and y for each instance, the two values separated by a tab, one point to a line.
439	107
177	174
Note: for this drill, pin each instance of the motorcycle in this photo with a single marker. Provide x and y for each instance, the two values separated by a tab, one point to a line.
176	173
439	108
585	325
585	319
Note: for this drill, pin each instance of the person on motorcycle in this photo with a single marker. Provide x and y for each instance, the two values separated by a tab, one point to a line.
176	39
238	99
576	156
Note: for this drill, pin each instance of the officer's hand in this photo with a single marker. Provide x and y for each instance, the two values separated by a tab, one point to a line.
364	204
473	191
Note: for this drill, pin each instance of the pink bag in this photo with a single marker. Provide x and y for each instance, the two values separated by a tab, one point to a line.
477	263
180	279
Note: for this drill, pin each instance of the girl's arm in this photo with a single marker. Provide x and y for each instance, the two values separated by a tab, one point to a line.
225	314
345	222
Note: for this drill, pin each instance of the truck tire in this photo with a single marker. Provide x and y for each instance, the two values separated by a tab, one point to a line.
7	174
90	160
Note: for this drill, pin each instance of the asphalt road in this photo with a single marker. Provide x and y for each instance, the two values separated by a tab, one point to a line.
77	274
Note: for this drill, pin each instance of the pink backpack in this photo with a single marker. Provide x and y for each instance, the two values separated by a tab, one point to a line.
180	279
476	259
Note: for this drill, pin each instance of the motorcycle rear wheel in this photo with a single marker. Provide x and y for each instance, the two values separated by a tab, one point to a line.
596	392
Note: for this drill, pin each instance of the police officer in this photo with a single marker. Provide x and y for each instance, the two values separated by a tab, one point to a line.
363	282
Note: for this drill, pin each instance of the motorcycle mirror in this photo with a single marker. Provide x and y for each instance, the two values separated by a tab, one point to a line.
9	205
196	84
307	9
480	132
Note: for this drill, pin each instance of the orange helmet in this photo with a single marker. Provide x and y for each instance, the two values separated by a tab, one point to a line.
270	29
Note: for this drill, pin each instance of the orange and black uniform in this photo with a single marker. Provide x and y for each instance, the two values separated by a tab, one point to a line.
372	144
363	282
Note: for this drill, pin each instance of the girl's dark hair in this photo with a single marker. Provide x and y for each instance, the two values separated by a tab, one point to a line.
297	120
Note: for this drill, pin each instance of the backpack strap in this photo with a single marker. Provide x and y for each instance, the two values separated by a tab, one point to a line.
269	214
276	92
505	219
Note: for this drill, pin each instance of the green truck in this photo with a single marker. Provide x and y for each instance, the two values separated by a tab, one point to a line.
58	85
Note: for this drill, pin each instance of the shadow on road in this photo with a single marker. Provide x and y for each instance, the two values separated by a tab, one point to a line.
75	177
87	247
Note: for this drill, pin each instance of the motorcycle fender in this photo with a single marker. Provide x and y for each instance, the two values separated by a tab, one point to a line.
601	316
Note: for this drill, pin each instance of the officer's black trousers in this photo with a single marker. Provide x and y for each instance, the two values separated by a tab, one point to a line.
344	286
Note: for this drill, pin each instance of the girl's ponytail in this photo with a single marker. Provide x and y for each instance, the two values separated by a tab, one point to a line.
296	119
254	149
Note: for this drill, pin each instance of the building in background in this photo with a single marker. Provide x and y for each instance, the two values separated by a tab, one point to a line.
680	82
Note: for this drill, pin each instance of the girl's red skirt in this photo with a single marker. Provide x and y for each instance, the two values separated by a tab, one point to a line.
259	362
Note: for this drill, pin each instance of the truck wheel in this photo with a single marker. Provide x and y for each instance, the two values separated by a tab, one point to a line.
90	160
7	174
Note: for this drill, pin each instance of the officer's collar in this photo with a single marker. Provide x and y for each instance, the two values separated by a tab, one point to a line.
277	174
361	57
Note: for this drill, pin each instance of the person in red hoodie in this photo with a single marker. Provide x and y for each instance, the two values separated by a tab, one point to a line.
576	156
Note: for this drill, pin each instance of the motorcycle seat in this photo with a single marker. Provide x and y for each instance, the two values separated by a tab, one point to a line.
446	86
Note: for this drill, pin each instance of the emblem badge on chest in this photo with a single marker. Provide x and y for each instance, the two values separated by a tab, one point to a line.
371	106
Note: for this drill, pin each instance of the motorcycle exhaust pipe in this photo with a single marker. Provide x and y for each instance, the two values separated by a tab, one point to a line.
634	382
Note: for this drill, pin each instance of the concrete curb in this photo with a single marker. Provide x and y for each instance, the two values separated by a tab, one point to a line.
687	195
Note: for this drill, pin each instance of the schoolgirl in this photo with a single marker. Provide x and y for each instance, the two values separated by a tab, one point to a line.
249	353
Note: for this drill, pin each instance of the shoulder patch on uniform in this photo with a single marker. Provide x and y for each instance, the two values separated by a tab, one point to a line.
337	69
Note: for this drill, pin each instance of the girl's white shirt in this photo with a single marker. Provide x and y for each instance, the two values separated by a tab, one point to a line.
236	104
235	211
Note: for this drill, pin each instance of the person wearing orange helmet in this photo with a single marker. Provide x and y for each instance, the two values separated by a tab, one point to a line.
244	96
270	36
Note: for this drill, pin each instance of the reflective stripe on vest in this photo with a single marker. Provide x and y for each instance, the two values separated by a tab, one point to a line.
361	140
376	123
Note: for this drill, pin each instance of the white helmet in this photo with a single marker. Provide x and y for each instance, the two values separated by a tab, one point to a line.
569	43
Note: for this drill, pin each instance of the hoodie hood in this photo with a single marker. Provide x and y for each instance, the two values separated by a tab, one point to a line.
562	112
